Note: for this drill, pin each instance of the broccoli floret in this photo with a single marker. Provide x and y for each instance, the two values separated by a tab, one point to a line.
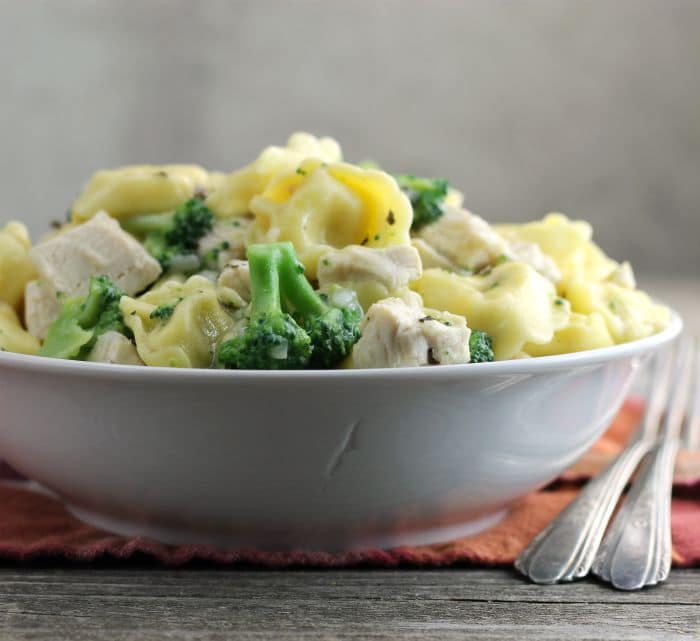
333	324
83	318
480	347
291	326
426	195
272	339
171	236
192	220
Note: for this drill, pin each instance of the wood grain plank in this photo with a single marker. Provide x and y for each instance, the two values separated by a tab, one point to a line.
85	603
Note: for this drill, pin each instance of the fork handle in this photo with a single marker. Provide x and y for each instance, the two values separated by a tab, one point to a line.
565	549
637	549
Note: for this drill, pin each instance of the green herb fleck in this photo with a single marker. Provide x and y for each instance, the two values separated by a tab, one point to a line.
164	311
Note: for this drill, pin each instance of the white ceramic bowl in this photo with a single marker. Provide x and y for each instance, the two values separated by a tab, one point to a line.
311	459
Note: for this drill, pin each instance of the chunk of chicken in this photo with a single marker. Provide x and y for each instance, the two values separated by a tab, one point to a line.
530	253
393	267
462	240
430	257
113	347
41	307
233	284
227	239
98	247
465	239
396	334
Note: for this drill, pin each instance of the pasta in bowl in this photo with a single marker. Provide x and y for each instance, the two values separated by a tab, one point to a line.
306	353
394	272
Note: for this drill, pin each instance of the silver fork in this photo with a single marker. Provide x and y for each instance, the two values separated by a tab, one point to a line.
636	551
566	548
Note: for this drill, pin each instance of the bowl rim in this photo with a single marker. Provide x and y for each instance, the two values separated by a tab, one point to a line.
539	364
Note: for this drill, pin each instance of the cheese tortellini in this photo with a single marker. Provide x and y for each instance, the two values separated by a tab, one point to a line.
234	192
566	242
177	324
582	332
140	189
320	207
601	291
512	303
13	337
628	313
16	267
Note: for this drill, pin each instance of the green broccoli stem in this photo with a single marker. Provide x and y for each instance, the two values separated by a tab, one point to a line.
297	289
93	306
332	330
144	224
272	339
264	263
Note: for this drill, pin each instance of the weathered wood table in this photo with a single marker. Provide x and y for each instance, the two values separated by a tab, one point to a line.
149	603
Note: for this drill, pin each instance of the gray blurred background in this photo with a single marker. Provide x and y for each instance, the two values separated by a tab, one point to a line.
588	107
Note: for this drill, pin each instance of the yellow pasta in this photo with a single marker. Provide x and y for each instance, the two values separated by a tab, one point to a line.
189	335
538	288
234	192
568	243
513	303
321	207
582	332
13	337
16	268
628	313
140	189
